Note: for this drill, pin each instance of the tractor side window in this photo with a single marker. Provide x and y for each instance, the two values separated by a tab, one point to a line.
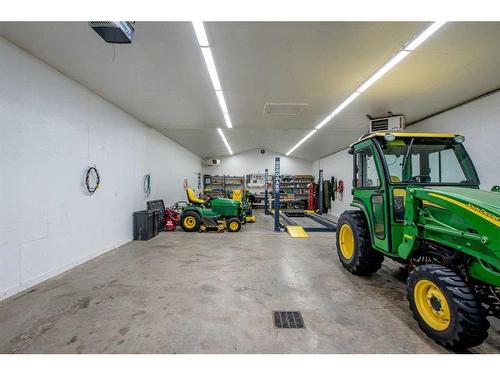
366	170
399	195
378	215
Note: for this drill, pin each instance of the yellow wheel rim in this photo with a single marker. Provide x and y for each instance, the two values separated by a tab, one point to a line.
346	241
432	305
189	222
233	226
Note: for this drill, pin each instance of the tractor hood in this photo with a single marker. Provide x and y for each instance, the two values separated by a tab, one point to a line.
225	202
485	204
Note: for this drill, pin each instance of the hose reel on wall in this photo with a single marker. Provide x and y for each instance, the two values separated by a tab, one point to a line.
147	185
92	172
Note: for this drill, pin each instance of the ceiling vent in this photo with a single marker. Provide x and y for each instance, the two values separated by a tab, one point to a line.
391	123
288	109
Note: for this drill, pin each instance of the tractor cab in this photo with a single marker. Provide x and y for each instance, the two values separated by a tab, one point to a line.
386	164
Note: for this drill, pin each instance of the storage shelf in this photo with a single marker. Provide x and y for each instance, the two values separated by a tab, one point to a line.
294	190
224	184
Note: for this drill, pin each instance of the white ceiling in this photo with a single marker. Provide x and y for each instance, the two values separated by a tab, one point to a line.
162	80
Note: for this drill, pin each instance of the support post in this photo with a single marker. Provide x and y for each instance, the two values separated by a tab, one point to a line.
277	195
320	192
266	192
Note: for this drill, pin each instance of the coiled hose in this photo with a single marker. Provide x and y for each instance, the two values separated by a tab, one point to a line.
91	189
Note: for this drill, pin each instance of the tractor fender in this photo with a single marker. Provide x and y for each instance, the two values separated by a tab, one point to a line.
361	206
192	209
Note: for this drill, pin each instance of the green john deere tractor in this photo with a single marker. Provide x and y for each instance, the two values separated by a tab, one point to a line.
419	204
209	213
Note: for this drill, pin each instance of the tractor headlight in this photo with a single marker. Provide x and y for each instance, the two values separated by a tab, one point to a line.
459	139
389	137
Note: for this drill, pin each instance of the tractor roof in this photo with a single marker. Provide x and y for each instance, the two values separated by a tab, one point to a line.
405	135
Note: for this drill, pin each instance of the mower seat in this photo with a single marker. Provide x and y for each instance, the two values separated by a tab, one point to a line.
192	198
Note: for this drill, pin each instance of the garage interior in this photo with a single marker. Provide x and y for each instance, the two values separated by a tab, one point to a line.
214	108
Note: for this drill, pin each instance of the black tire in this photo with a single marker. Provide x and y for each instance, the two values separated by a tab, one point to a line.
364	259
235	223
468	325
194	216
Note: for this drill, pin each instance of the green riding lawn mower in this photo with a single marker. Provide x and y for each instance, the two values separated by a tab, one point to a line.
419	203
213	213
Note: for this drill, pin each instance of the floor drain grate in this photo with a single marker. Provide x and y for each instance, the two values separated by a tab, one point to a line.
288	319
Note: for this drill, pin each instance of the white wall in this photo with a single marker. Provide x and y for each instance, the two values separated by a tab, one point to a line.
254	162
338	165
479	121
51	129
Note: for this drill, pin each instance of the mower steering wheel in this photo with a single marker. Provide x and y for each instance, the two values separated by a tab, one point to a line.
210	197
422	178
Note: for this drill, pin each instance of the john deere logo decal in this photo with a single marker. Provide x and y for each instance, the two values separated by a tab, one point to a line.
494	219
483	212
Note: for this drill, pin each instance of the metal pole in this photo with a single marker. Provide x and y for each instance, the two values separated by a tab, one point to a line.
320	182
277	194
266	192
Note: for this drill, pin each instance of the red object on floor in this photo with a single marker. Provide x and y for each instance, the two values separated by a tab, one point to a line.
171	219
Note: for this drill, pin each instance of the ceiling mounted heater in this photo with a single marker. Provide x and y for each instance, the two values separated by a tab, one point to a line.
391	123
116	32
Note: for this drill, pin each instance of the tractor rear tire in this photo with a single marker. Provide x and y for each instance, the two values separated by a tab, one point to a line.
191	221
233	224
354	245
446	308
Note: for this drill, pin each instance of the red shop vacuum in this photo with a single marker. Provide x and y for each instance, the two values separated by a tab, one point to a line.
171	219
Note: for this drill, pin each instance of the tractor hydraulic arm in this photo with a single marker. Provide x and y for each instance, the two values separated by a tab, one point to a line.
460	227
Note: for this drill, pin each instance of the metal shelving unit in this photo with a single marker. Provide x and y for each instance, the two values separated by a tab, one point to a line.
293	191
222	185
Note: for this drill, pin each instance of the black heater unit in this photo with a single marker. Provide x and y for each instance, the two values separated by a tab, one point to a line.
118	32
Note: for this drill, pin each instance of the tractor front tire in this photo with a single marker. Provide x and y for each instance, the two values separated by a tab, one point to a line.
191	221
446	308
233	224
354	245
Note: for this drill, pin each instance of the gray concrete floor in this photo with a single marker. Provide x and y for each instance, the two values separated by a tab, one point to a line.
215	293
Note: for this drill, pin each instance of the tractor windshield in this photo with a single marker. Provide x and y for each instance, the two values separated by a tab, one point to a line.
428	161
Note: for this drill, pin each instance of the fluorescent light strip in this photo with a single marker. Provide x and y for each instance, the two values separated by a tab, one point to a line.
424	35
375	77
201	35
228	120
379	73
222	102
209	61
225	140
344	104
301	141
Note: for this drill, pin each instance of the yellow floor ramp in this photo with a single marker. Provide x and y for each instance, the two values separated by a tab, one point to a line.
296	231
